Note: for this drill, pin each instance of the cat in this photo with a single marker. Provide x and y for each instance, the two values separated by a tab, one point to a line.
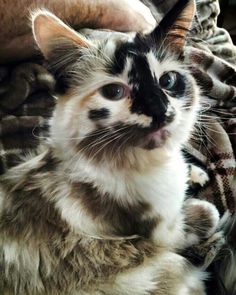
102	209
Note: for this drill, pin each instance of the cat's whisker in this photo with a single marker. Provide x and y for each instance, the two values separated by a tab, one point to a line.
202	121
209	125
109	135
219	132
212	114
221	112
113	137
71	138
212	117
105	144
96	132
123	144
94	144
201	117
207	136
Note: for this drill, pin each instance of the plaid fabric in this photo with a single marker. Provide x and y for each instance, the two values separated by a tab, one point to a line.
212	58
25	107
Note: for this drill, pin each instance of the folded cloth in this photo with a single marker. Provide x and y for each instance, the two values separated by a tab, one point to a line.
212	58
212	55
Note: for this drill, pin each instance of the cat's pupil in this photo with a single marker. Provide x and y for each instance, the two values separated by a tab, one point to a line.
113	91
168	81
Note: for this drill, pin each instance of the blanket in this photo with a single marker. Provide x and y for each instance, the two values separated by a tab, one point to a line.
26	105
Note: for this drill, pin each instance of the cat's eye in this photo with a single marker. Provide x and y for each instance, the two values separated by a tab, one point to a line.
169	81
113	91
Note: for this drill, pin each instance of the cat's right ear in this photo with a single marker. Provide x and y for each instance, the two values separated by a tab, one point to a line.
175	25
49	31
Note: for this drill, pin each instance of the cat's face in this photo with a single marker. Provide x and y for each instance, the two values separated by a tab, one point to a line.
121	92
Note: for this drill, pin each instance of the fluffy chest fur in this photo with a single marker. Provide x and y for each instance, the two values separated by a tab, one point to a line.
54	242
106	202
126	202
80	239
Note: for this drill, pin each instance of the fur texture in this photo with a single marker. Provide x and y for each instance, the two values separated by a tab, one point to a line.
100	209
222	270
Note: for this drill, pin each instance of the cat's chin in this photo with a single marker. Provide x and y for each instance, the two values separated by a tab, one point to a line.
155	139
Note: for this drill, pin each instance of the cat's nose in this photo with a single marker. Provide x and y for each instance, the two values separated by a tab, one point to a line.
162	119
153	103
158	109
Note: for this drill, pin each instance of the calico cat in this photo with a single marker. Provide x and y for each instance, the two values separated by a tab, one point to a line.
101	208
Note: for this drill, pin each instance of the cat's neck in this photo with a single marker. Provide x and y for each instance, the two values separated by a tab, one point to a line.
129	200
115	179
101	201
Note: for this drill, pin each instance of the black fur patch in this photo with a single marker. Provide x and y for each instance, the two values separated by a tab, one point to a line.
148	98
139	46
99	114
123	51
124	220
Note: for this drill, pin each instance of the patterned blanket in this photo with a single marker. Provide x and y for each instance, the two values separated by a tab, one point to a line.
26	105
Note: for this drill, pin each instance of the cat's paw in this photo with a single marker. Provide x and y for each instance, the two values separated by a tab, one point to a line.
197	176
201	219
205	253
212	247
24	80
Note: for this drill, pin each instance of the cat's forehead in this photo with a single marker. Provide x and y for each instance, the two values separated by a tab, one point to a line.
107	43
124	49
122	58
135	56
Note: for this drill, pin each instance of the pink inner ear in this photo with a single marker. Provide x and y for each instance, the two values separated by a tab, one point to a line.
48	28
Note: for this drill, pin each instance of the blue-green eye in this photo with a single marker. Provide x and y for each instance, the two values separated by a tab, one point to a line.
169	81
113	91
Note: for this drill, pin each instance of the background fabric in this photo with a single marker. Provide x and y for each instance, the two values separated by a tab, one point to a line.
212	55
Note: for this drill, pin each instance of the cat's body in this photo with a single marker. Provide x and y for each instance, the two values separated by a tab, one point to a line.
48	234
100	209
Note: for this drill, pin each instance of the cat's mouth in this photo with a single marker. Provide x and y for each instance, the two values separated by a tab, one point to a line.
155	138
102	142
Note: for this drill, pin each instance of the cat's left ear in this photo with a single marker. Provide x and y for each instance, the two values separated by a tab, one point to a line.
175	25
49	31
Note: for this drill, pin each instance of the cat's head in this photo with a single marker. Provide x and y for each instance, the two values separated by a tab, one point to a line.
120	93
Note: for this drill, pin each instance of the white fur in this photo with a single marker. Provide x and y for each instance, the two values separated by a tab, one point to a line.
25	259
153	275
160	186
72	212
197	175
209	207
